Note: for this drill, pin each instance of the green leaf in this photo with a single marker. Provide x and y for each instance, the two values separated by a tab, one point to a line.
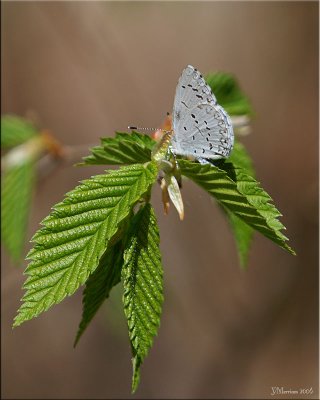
142	278
99	285
241	195
16	193
258	198
240	158
228	93
136	137
15	130
243	233
124	148
77	233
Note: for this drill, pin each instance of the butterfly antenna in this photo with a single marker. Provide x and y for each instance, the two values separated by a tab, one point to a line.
143	129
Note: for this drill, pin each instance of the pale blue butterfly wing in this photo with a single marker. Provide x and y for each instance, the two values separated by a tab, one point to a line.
202	128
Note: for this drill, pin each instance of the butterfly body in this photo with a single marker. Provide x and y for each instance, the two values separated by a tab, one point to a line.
201	127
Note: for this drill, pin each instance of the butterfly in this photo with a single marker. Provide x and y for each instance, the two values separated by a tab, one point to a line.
201	127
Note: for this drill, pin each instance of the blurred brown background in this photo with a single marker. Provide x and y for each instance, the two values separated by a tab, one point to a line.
91	68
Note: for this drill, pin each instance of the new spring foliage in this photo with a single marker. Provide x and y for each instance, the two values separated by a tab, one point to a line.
105	230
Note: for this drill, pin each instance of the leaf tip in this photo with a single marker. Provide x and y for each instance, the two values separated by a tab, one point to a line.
136	362
243	262
291	250
76	340
78	336
17	320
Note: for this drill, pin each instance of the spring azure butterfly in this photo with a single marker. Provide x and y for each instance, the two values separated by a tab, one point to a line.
201	127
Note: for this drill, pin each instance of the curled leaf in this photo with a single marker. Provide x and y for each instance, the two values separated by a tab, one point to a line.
174	193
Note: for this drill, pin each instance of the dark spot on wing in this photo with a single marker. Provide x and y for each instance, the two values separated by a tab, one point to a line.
183	86
184	128
199	96
184	104
190	85
193	116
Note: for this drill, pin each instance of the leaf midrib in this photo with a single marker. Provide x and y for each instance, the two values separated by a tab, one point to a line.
70	269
